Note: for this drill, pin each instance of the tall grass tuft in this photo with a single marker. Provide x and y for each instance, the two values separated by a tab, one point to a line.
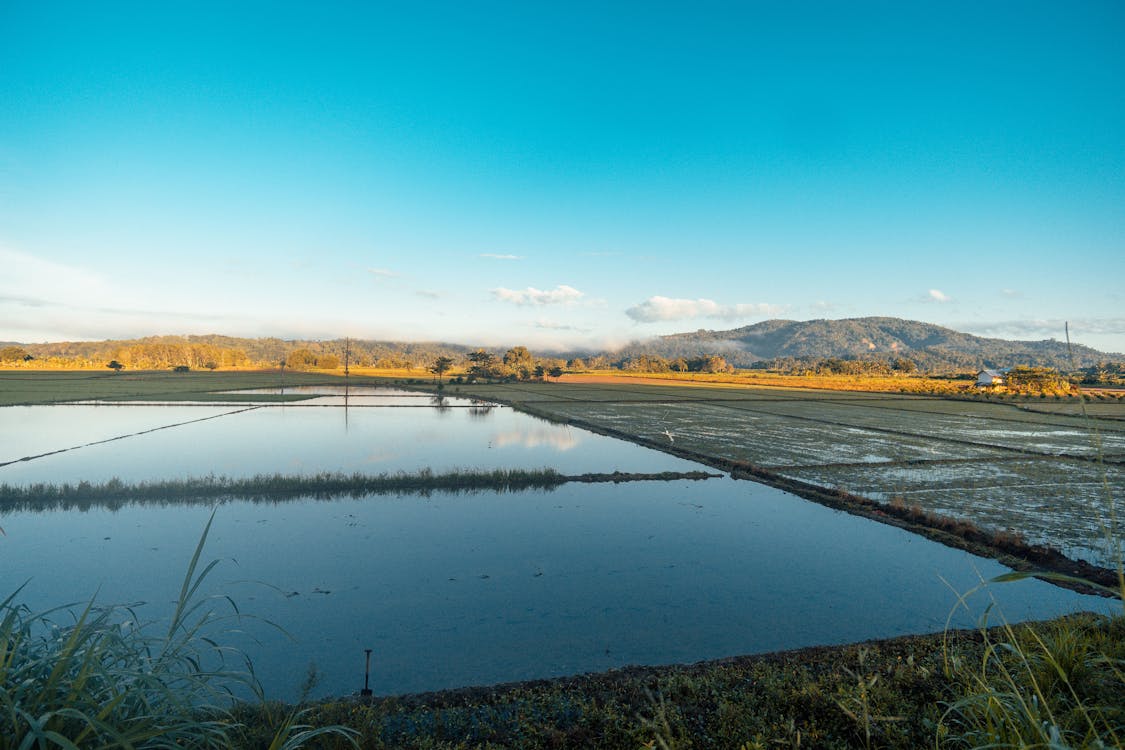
1061	686
99	678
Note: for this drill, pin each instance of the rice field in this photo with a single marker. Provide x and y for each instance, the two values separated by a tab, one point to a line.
1042	471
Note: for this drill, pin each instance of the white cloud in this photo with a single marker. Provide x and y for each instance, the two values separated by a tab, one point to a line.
550	325
1045	328
382	273
666	308
1014	293
937	295
561	294
500	256
29	278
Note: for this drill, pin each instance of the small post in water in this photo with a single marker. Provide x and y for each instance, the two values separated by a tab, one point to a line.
366	692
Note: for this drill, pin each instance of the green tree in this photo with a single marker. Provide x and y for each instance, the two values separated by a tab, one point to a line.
555	372
327	362
116	366
519	362
904	365
441	366
300	359
484	364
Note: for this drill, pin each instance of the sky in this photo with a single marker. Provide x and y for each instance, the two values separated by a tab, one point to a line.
559	175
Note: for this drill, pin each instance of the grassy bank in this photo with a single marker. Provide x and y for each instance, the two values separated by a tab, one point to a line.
25	387
912	692
325	485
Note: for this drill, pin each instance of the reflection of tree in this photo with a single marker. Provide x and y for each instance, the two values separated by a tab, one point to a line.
441	406
480	409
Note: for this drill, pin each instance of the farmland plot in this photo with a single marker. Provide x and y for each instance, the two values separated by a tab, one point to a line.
1051	477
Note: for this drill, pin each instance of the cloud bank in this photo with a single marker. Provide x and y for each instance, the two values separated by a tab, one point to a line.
657	308
1045	328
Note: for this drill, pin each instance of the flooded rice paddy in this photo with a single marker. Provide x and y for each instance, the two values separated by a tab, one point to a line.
1057	479
450	590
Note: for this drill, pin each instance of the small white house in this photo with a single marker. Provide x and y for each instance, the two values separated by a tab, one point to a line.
986	378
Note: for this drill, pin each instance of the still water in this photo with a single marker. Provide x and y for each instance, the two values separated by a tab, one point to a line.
455	590
387	433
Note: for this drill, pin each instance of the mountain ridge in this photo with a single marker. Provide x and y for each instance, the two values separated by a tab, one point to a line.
775	342
928	345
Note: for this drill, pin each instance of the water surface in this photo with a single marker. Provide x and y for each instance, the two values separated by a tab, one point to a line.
455	590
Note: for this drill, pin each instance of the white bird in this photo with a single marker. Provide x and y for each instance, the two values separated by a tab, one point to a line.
669	434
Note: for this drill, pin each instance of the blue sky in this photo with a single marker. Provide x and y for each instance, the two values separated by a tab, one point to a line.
559	175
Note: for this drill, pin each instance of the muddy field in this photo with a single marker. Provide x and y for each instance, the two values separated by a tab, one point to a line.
1044	471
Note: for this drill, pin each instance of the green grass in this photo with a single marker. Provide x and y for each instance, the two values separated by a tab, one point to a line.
23	387
899	693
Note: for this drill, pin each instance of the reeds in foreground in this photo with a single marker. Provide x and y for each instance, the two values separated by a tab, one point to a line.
99	678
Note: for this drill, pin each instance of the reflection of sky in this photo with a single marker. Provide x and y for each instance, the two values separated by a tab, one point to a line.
32	430
290	439
559	440
471	589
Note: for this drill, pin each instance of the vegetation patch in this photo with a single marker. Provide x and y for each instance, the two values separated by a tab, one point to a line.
912	692
101	678
325	485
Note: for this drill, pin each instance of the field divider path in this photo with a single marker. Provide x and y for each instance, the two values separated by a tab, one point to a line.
129	435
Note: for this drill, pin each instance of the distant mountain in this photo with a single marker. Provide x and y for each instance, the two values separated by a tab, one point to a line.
930	346
782	343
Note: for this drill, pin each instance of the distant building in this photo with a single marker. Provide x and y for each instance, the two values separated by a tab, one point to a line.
986	378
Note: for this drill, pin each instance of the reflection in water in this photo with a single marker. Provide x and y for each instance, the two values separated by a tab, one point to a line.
289	440
560	440
451	591
469	590
481	409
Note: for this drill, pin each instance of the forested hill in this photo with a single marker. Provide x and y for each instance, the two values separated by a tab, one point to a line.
776	344
929	346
